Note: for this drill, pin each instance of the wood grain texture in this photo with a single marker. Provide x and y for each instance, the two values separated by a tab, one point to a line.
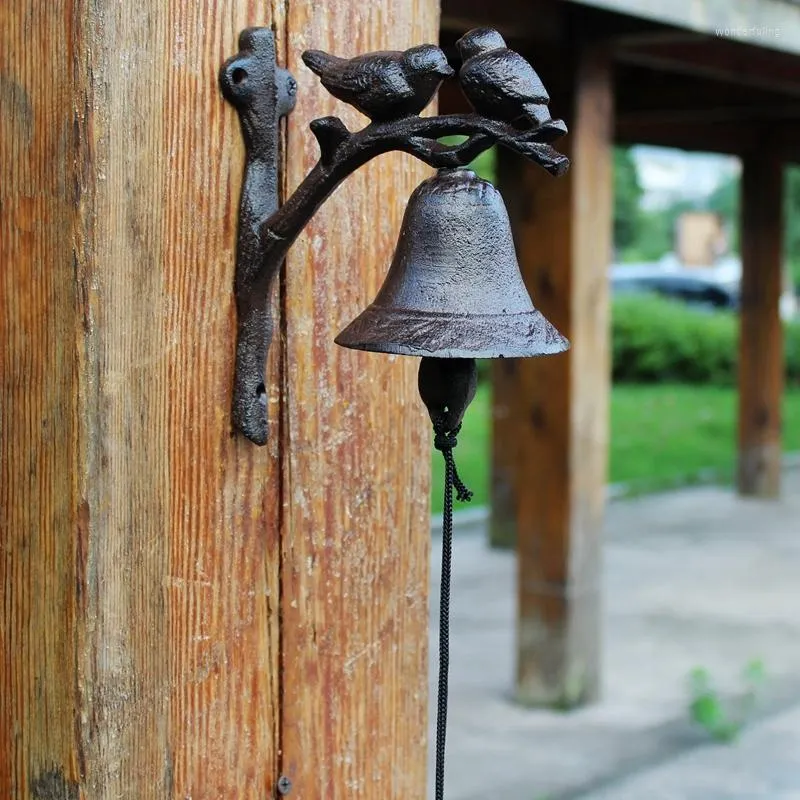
139	547
38	439
551	414
761	366
355	538
152	566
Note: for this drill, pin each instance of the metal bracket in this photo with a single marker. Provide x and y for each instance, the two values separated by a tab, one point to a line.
261	93
389	87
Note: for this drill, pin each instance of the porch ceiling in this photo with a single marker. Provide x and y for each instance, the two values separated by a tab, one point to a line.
674	86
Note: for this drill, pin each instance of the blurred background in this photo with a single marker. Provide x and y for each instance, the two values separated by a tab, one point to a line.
675	296
626	608
700	630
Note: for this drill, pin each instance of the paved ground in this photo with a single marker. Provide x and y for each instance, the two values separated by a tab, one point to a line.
693	578
763	765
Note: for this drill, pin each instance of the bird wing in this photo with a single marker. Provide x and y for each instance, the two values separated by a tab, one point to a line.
375	78
504	74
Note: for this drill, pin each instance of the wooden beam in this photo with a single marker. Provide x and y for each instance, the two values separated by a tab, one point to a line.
530	19
704	137
761	331
552	413
139	649
735	115
657	35
185	614
715	58
505	439
712	137
768	24
41	524
646	94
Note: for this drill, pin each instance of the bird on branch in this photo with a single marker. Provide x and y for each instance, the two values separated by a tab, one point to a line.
499	83
384	85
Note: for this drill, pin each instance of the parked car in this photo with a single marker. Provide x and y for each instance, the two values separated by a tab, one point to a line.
688	286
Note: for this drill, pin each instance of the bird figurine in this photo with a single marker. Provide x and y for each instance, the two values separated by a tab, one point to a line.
499	83
385	85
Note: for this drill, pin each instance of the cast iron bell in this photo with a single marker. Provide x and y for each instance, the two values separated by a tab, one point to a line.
454	288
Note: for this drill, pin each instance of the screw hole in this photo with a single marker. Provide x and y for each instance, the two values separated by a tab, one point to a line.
239	75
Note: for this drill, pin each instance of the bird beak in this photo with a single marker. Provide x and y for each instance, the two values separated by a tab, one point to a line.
446	71
550	130
540	114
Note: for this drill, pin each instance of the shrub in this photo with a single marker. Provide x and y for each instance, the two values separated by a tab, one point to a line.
655	340
791	348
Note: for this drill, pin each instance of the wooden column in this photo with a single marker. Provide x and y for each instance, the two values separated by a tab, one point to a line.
551	414
184	614
356	440
761	331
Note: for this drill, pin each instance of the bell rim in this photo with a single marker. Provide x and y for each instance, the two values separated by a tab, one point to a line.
411	332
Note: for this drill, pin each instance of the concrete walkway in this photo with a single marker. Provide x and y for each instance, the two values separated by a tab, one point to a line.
697	578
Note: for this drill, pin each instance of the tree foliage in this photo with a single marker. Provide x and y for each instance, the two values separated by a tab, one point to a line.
641	235
792	220
627	198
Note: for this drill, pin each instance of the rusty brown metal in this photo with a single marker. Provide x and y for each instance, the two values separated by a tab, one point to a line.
454	288
391	88
261	93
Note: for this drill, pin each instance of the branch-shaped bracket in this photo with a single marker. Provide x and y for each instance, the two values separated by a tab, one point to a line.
262	93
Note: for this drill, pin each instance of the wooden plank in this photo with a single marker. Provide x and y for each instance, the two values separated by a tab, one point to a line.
768	24
716	58
38	427
139	541
761	331
533	20
141	544
355	522
559	405
712	136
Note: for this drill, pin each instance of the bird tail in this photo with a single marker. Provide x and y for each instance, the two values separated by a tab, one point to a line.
318	61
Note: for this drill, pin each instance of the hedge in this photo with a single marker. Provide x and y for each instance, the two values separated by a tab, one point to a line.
654	340
657	340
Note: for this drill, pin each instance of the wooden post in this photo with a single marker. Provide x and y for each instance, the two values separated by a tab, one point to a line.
505	442
356	442
554	410
761	330
184	614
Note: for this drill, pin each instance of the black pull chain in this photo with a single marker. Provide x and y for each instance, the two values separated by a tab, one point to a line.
445	441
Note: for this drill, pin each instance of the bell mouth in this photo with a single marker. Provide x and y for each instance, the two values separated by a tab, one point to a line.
409	332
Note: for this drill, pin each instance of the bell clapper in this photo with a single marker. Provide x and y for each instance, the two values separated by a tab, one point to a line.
447	386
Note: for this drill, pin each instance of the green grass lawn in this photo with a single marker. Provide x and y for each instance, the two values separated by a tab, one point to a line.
662	436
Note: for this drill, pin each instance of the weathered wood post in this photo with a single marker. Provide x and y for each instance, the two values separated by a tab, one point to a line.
185	614
551	414
761	365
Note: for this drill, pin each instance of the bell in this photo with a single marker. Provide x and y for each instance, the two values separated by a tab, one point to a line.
454	289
